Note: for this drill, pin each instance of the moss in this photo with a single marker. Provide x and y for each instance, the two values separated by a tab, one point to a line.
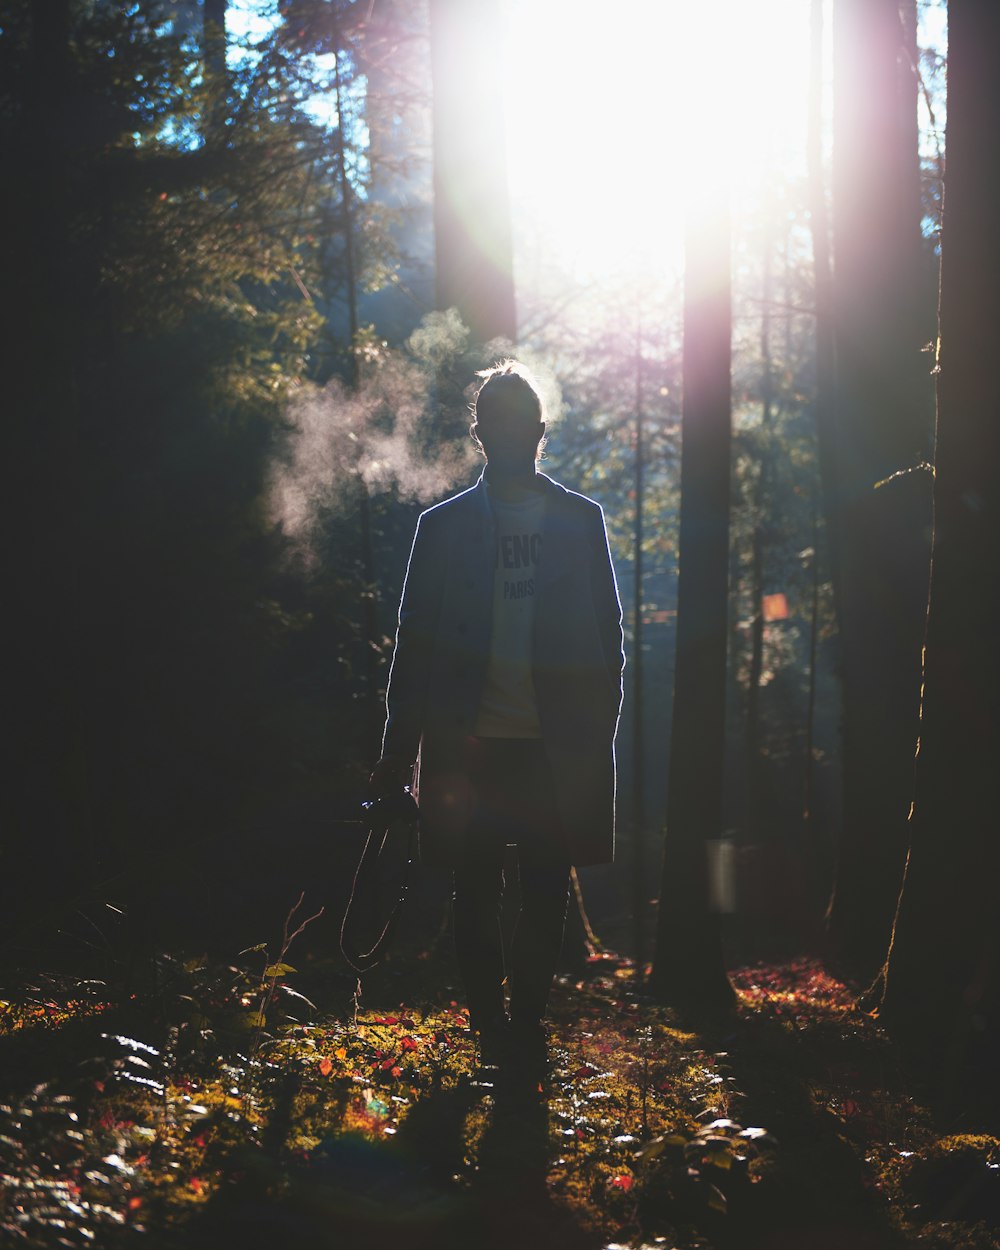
955	1179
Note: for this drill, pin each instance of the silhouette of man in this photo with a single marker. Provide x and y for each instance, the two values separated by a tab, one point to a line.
507	679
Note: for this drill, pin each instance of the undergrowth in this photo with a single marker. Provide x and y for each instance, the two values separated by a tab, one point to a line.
221	1105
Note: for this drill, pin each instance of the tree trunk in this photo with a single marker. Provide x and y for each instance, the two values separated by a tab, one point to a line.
640	884
943	965
825	402
471	198
216	71
879	534
761	500
370	602
688	968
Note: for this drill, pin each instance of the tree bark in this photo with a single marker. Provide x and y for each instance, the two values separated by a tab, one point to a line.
879	532
760	502
943	967
640	886
688	967
370	601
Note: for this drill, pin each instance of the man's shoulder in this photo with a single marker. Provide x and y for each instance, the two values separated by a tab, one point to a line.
572	501
470	502
447	509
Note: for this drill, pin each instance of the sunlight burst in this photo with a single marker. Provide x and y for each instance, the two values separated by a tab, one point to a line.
610	119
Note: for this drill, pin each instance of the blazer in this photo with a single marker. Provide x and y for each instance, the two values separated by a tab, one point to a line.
443	648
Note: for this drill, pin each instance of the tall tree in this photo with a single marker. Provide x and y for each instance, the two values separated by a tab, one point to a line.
943	968
688	967
878	515
165	270
758	541
825	380
471	197
214	52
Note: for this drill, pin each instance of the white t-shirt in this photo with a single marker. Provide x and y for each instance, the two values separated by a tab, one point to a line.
508	708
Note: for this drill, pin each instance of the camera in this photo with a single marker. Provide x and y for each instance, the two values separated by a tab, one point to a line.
394	807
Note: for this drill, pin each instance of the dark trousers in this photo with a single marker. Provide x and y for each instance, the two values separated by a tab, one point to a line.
514	803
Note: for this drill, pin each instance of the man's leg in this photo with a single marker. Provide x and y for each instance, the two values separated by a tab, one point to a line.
538	937
544	875
478	894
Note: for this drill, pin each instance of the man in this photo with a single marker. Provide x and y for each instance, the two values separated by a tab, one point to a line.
507	679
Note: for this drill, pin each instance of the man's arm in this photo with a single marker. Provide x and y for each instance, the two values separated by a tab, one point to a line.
409	676
607	605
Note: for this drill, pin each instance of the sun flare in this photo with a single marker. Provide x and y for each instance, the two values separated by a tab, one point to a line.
615	123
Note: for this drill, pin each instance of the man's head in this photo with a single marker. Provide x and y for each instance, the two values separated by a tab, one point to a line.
507	417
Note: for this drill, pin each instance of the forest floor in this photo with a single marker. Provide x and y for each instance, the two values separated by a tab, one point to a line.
253	1105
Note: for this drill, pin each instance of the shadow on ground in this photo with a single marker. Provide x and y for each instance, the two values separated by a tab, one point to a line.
410	1191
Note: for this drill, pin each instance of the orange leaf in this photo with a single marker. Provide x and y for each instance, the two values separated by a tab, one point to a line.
326	1065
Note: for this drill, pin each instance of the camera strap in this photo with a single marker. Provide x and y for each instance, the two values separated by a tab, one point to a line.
365	883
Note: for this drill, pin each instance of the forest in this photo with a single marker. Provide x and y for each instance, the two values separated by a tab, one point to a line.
256	252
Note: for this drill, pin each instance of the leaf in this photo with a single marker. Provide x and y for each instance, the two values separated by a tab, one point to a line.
717	1200
623	1182
295	994
757	1134
278	970
326	1065
657	1146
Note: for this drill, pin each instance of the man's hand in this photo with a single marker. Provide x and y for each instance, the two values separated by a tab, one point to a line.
389	774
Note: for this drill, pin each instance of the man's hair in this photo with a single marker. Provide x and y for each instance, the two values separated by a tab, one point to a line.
506	396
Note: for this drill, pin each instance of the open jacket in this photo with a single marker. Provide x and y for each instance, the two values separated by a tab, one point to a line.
443	648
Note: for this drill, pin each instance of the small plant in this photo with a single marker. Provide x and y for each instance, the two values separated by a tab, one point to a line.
702	1172
273	972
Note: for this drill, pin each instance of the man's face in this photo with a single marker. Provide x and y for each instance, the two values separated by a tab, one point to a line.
510	443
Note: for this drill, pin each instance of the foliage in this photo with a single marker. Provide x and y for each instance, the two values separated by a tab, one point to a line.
179	261
164	1116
